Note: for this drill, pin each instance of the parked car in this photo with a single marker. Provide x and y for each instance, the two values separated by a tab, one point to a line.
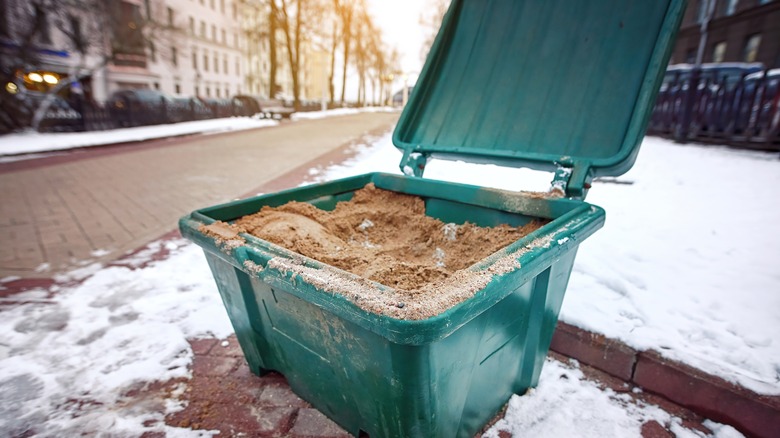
250	104
221	107
764	117
140	107
193	108
711	73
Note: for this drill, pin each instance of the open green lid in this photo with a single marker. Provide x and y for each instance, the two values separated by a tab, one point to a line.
550	85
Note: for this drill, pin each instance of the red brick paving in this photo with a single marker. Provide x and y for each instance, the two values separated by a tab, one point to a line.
224	395
311	423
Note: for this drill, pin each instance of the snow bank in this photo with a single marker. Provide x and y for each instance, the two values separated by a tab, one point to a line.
310	115
27	142
65	362
686	263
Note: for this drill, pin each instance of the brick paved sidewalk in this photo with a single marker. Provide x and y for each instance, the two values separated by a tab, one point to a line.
58	213
224	395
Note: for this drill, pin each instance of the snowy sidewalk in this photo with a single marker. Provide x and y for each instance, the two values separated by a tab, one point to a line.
33	142
661	275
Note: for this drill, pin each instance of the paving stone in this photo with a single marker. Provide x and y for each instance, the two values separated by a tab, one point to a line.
311	423
201	347
281	395
653	429
232	349
273	421
214	366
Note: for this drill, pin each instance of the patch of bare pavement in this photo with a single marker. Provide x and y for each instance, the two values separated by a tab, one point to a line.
71	210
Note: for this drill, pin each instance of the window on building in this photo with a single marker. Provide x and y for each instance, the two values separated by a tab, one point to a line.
211	3
235	40
197	91
701	11
3	18
213	32
216	63
216	90
208	92
227	93
177	87
238	69
206	62
203	29
174	56
152	51
750	52
690	55
235	11
170	17
76	35
224	37
731	6
194	59
201	2
192	26
225	65
41	24
156	85
222	6
719	52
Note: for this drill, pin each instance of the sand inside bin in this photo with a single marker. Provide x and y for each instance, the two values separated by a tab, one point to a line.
385	237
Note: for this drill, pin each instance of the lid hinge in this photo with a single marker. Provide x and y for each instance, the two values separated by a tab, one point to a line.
413	163
572	180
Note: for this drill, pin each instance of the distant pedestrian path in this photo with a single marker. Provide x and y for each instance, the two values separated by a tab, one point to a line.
95	208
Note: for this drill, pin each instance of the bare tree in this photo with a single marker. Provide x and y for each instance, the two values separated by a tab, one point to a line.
345	11
299	20
431	21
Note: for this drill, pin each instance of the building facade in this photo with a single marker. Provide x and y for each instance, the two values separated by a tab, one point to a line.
740	31
205	48
193	49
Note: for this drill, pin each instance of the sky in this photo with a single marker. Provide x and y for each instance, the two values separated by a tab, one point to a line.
401	28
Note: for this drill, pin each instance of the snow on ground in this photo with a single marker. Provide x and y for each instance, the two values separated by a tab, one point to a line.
565	404
29	142
309	115
66	361
686	263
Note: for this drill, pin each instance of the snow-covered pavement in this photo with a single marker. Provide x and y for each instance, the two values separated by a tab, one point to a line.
30	142
33	142
686	265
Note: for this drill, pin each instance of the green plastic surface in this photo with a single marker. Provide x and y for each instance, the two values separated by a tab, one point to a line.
444	376
541	84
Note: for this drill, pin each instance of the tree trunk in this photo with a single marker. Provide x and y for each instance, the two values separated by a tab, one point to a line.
347	37
292	49
272	50
333	47
296	79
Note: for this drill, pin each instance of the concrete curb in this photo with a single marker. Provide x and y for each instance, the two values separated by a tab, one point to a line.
710	396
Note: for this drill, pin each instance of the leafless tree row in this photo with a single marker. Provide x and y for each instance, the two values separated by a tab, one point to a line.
336	27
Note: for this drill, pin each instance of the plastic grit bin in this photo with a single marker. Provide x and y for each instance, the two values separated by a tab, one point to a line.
556	85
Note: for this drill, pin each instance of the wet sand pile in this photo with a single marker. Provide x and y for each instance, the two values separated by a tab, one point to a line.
385	237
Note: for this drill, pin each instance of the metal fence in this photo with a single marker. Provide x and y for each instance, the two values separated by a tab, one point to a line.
746	113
